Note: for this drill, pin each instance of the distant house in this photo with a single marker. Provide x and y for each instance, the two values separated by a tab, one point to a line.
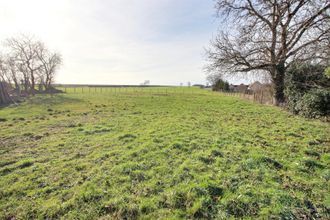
256	86
242	88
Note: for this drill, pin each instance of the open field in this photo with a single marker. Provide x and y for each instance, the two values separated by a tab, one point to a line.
160	154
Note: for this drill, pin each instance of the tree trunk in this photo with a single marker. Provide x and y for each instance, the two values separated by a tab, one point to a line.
278	81
25	82
17	87
47	82
4	96
32	89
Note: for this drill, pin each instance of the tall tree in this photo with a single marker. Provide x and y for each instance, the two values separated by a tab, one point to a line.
269	35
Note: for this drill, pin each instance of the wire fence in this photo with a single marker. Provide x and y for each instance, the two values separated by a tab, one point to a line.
262	96
129	90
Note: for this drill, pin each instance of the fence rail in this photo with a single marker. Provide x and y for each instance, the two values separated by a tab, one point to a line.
262	97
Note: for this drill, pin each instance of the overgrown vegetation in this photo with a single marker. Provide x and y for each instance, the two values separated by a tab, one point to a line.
308	90
160	155
220	85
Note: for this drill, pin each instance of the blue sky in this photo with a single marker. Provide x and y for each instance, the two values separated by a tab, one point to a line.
118	41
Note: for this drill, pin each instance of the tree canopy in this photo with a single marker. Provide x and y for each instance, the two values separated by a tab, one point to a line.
267	36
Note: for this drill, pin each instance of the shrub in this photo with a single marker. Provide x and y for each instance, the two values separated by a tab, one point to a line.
307	90
315	103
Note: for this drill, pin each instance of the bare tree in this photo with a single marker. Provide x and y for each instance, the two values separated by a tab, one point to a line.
30	63
50	62
24	51
269	35
213	78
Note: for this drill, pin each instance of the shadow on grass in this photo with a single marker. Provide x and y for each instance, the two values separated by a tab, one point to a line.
52	99
44	99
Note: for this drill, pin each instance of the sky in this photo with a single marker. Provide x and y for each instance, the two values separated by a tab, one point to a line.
118	41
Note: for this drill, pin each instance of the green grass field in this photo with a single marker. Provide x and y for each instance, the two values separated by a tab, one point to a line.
168	154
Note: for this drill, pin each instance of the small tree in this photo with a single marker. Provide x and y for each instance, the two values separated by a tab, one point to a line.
220	85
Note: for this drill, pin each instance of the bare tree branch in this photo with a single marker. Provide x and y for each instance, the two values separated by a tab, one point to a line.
268	36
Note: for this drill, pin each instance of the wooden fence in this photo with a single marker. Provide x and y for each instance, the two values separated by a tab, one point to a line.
262	96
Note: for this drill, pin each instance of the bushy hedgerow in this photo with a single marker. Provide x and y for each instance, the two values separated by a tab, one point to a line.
307	89
315	103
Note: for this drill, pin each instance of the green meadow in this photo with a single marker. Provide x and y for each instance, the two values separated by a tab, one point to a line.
160	153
